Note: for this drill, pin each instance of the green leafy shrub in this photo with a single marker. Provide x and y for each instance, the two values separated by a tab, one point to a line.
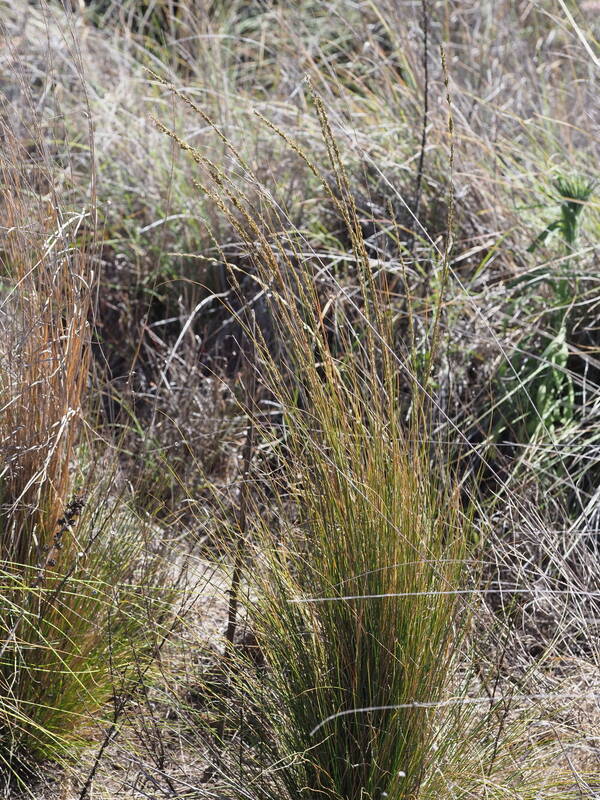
537	391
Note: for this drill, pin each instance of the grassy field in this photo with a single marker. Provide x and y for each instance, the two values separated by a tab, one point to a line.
300	399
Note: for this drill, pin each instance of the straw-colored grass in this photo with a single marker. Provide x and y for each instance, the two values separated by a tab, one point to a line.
79	610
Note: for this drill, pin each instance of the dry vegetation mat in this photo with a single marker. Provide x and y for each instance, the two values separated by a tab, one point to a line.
299	392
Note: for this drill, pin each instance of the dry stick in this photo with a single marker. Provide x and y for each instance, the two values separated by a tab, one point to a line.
501	715
456	701
119	707
418	187
151	737
449	242
242	521
110	734
244	493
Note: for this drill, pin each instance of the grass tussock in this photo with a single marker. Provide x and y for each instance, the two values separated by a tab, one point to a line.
79	609
357	602
379	554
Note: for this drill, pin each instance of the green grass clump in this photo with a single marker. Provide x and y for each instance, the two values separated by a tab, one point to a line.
72	635
356	610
